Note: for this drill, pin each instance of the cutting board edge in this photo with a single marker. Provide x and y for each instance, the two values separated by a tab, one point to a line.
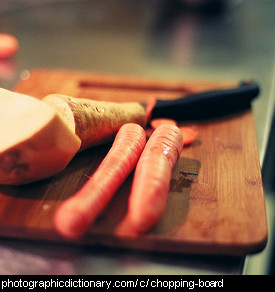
133	78
148	243
177	246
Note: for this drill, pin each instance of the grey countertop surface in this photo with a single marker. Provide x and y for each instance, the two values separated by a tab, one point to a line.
160	39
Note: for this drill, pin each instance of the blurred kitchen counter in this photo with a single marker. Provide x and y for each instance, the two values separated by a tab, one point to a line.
160	39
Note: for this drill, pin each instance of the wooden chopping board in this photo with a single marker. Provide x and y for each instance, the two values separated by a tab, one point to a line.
216	202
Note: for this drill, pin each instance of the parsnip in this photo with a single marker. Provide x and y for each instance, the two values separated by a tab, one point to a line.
35	143
95	122
38	139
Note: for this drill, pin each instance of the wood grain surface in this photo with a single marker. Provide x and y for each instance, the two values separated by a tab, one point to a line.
216	202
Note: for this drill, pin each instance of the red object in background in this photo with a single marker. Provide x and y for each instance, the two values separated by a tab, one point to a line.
8	46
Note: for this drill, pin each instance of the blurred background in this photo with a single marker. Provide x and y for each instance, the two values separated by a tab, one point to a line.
166	39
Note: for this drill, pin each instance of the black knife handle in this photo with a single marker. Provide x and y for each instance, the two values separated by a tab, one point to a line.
208	104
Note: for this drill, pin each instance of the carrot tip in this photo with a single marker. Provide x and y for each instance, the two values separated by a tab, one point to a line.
141	226
126	228
71	224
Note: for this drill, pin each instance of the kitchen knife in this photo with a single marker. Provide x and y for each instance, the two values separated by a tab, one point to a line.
205	105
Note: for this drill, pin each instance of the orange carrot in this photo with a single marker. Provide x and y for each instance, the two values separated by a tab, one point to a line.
77	213
151	102
151	182
189	135
158	122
